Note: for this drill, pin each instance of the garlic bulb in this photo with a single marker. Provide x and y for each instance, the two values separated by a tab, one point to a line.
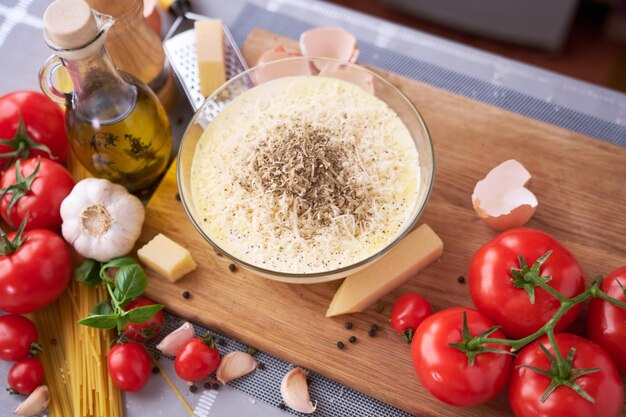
235	365
295	391
35	403
101	220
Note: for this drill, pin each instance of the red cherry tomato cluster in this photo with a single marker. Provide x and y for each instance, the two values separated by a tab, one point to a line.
18	340
527	289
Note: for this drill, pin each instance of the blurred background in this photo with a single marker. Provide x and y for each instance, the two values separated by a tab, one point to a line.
584	39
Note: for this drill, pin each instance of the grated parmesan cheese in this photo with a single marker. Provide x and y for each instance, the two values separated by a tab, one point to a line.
305	174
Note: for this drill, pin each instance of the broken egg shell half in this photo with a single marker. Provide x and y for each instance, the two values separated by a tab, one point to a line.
361	78
172	342
329	42
281	69
501	199
295	391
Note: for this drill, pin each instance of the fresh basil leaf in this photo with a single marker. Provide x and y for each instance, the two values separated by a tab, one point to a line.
100	321
88	272
103	308
121	323
130	282
143	314
116	263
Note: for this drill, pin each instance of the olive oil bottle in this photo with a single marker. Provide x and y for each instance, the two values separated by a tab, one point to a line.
117	127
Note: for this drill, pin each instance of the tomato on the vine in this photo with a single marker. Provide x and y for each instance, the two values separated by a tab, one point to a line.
598	379
499	287
197	359
35	268
25	375
606	323
446	371
129	366
31	125
17	337
35	188
408	312
148	330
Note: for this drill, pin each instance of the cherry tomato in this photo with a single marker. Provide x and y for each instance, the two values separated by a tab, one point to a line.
445	371
34	274
495	295
528	386
196	359
44	124
129	366
39	199
150	328
606	323
25	376
408	312
17	336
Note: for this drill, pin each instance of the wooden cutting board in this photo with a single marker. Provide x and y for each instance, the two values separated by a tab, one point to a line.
581	186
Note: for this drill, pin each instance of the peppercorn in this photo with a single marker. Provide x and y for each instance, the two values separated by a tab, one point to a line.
371	333
260	366
232	267
207	385
282	406
155	370
352	339
348	325
461	279
340	345
374	327
215	386
193	389
186	295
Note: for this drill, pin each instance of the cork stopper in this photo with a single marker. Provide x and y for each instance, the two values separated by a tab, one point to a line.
70	23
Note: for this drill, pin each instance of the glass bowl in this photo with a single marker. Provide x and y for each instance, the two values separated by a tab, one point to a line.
359	75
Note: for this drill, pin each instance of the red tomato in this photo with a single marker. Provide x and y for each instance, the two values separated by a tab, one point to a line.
25	376
150	328
606	323
196	359
35	274
45	125
41	199
17	336
493	293
528	386
129	366
408	312
445	371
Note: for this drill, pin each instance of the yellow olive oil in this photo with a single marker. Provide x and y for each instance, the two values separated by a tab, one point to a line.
133	149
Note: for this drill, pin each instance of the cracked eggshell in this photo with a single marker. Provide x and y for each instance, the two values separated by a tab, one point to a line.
283	69
363	79
329	42
501	199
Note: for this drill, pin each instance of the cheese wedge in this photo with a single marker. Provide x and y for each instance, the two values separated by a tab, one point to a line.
418	249
210	51
166	257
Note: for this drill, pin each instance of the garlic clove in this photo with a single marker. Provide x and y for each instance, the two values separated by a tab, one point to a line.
329	42
172	342
35	403
235	365
295	391
501	199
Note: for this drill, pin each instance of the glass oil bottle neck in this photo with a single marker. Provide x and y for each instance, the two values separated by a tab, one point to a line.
100	93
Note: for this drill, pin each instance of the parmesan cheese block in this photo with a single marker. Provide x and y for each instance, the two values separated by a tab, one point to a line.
167	258
407	258
210	51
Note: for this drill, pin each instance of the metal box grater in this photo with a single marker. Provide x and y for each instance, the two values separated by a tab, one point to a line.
180	50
